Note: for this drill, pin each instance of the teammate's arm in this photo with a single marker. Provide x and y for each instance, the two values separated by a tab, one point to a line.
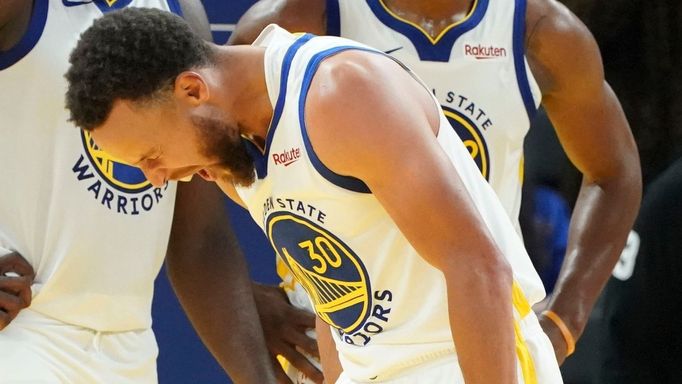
292	15
15	287
329	356
208	272
209	275
593	131
387	139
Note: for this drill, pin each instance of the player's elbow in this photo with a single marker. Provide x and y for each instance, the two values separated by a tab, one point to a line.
489	273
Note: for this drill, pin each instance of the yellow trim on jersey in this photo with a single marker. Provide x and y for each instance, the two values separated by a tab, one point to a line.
521	171
519	300
283	362
525	359
526	363
442	33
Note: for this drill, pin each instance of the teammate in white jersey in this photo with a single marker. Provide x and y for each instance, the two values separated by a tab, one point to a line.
96	231
490	63
325	141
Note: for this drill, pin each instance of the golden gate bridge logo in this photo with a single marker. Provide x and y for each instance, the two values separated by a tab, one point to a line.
328	269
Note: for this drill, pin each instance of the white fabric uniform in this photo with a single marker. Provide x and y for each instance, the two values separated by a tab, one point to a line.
362	275
94	230
477	71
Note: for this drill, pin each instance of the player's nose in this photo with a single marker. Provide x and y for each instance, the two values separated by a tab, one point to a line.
155	175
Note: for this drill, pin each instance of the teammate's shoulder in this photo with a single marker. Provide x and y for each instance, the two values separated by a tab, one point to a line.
292	15
550	17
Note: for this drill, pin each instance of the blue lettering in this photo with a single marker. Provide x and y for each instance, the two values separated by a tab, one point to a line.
383	295
486	124
373	328
81	169
95	187
121	206
147	202
470	108
157	194
108	196
135	211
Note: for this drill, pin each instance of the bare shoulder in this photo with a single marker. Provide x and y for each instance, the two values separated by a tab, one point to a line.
340	79
559	46
357	98
292	15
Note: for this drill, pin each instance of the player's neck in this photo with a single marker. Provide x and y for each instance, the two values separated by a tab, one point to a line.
243	75
14	18
432	15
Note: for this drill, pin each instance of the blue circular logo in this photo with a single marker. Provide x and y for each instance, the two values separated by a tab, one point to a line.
119	175
331	273
472	138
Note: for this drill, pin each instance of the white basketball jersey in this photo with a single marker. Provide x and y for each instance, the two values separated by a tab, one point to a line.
94	229
386	305
477	70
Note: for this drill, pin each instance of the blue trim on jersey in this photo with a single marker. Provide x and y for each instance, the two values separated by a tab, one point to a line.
174	6
428	51
259	161
333	18
261	158
104	6
519	48
27	42
347	182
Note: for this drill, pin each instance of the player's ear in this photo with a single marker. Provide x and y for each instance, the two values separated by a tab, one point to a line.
191	88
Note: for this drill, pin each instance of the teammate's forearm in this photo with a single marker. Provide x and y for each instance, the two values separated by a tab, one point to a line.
329	357
481	320
601	221
209	276
222	311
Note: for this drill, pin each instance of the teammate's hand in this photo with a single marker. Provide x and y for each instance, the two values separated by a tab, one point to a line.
555	336
16	277
284	327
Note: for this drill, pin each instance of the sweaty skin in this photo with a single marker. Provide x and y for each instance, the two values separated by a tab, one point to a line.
201	244
585	112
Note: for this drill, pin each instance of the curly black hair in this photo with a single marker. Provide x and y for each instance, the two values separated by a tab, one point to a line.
132	54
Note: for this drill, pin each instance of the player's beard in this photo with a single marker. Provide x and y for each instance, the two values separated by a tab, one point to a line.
224	143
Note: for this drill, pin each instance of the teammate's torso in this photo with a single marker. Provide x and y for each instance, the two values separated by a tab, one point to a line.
94	229
476	69
363	276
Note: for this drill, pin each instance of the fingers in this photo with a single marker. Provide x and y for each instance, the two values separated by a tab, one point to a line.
14	262
298	360
19	286
304	342
301	318
9	308
280	375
